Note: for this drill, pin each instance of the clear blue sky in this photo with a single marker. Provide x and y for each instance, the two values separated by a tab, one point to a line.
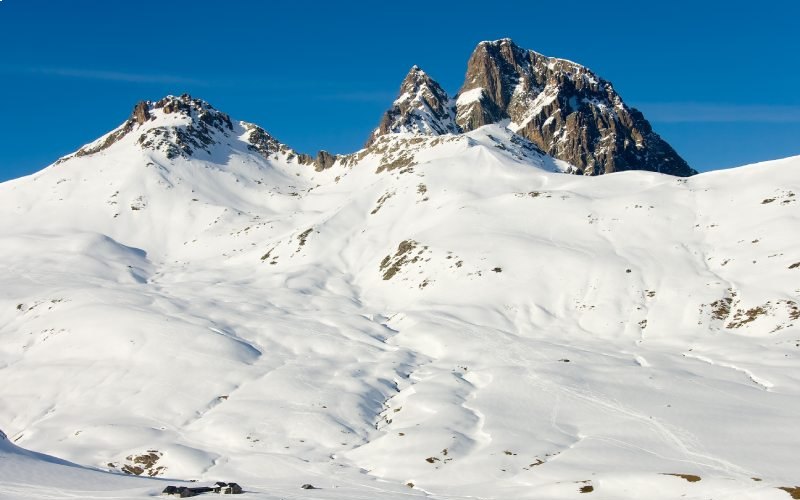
718	80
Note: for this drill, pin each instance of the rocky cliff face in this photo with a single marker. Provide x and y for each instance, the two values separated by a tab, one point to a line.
564	108
422	107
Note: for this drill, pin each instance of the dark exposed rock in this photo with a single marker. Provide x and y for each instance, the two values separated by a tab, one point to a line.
219	487
262	142
139	115
421	107
562	107
309	487
324	161
141	112
107	142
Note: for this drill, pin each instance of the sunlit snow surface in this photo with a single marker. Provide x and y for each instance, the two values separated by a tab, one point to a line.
538	333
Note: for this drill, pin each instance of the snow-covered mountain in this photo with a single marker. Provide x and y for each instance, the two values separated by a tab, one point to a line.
437	315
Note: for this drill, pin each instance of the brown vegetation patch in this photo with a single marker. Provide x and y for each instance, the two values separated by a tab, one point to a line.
302	237
143	464
381	201
794	310
532	194
404	162
689	477
794	491
390	265
743	317
721	308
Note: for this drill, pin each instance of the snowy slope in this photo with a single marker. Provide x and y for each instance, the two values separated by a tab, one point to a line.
25	474
442	316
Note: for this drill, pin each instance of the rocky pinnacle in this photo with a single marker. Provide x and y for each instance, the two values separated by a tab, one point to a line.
422	107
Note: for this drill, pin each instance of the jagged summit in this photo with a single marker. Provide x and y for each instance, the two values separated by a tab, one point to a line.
561	106
564	108
422	107
175	125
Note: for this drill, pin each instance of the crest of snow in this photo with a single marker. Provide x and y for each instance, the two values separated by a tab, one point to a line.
602	105
544	98
470	96
403	97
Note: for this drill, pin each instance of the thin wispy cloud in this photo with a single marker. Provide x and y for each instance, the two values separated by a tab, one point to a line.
697	112
317	90
115	76
358	96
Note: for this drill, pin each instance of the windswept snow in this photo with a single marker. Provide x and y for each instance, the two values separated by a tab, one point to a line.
470	96
458	320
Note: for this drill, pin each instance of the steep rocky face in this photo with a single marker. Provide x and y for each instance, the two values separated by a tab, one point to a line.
422	107
564	108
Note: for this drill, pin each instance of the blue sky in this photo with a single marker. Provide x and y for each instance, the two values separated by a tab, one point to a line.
717	79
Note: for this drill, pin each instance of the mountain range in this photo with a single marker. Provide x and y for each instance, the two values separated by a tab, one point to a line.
449	312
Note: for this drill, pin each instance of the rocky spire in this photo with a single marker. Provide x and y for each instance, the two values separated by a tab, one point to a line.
422	107
562	107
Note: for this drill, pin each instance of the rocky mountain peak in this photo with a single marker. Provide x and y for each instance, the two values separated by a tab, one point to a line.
175	125
496	67
195	109
562	107
183	126
422	107
198	126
